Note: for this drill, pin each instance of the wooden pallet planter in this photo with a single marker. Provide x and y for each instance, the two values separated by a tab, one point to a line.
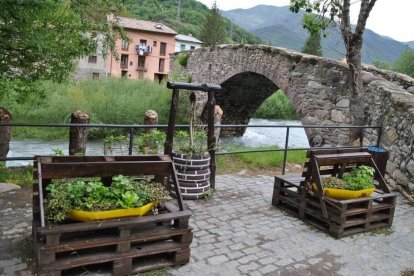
117	246
337	217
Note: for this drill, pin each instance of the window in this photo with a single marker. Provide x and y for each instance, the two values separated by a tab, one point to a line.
161	65
154	44
163	49
124	45
142	41
182	47
141	62
95	76
124	74
92	59
192	48
124	61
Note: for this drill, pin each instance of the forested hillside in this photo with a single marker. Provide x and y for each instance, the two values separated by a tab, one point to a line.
192	14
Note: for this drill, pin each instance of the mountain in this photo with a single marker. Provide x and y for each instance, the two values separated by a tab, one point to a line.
192	14
410	44
280	27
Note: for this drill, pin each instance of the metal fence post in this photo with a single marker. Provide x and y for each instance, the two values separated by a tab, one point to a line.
131	140
285	150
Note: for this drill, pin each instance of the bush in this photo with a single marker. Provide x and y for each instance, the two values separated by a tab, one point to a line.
277	106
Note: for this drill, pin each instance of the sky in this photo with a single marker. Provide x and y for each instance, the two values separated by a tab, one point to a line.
392	18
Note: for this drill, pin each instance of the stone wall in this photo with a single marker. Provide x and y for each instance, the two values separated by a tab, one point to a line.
319	90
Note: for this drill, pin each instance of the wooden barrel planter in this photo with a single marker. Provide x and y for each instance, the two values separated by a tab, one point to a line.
193	173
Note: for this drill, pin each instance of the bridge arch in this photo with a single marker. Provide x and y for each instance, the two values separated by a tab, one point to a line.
319	90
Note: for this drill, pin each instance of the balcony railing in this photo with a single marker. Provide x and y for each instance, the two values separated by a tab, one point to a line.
142	68
124	65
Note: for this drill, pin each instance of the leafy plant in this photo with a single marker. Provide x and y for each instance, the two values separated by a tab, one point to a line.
57	152
208	194
150	142
183	58
183	145
113	143
64	196
359	178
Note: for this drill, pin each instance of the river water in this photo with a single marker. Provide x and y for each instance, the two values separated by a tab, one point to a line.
253	137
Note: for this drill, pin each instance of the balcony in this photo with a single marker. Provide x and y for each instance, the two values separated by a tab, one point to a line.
142	68
124	66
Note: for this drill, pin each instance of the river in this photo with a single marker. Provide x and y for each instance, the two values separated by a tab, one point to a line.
253	137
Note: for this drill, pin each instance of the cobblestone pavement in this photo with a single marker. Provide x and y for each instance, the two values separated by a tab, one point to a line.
239	232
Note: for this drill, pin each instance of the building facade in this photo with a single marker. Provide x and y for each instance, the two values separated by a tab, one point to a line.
186	43
145	56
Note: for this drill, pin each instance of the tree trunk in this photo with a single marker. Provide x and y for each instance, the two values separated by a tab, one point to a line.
5	132
356	100
78	135
150	118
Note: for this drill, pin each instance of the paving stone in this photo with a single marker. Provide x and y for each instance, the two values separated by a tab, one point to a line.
217	259
268	268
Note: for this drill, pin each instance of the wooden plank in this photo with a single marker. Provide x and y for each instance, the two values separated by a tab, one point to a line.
103	169
93	225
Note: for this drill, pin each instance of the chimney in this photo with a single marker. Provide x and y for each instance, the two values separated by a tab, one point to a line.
190	35
111	16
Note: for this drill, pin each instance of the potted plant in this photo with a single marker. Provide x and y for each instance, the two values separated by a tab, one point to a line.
92	200
191	159
355	184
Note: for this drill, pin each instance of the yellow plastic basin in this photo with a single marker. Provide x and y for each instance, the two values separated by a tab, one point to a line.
347	194
118	213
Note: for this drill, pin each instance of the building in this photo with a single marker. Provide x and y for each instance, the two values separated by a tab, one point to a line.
146	56
186	42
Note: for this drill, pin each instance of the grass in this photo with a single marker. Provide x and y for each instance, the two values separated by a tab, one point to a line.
22	176
253	161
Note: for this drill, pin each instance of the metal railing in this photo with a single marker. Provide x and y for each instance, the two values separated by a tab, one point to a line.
132	128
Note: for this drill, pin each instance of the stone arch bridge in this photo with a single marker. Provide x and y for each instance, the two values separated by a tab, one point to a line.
319	90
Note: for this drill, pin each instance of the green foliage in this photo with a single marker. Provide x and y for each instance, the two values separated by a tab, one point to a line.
112	143
182	143
277	106
182	59
208	194
19	176
404	64
106	101
256	160
41	38
192	13
150	142
212	30
313	42
382	64
66	195
57	152
358	179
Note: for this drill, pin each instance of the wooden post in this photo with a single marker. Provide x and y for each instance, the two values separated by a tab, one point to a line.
171	122
150	118
78	135
5	132
211	139
218	114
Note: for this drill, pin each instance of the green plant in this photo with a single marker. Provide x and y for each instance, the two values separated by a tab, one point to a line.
22	176
208	194
197	148
57	152
112	143
183	58
150	142
66	195
359	178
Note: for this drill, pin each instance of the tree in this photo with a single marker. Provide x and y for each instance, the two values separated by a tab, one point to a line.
40	39
212	31
405	63
340	10
312	44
